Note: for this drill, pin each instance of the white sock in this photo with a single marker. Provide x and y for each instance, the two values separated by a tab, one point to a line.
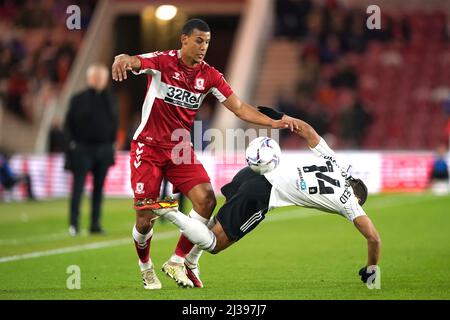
194	256
194	215
141	239
145	266
193	229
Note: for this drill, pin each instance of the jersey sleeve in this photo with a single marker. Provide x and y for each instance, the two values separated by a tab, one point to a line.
149	62
352	209
220	87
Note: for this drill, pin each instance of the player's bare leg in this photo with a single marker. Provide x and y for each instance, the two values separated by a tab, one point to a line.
142	235
222	241
145	215
203	201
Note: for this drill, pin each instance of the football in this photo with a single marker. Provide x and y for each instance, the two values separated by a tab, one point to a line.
263	155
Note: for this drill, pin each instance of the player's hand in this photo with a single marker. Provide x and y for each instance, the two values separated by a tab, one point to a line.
120	66
295	124
366	272
281	120
283	124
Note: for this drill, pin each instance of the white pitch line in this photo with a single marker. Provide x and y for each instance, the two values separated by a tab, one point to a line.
35	239
83	247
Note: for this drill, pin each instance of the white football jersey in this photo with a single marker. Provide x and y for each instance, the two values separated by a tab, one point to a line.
317	183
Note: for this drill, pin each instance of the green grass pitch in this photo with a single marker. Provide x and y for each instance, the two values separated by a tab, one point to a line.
295	253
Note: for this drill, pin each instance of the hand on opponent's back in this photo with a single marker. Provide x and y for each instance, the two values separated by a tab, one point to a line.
281	120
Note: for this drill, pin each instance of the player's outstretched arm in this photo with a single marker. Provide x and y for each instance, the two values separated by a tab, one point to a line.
305	131
122	64
367	229
250	114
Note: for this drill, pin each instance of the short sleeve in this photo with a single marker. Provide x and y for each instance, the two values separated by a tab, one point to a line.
220	87
352	209
149	61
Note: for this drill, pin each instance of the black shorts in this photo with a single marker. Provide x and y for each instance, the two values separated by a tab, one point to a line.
247	201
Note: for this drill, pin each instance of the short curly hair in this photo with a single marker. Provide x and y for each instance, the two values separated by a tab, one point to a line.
192	24
359	189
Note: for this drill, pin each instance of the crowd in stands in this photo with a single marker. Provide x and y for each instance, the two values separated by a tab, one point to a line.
331	40
36	52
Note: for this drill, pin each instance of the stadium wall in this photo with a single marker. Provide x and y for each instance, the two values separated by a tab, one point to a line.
382	172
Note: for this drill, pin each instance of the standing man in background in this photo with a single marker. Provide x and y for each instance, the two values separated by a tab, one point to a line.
91	128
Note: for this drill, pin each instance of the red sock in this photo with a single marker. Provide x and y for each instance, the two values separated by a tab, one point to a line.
143	251
184	246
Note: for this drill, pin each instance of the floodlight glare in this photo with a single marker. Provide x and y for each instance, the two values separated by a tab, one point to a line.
166	12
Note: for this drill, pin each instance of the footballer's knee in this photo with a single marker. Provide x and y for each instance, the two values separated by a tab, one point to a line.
144	220
210	201
205	206
203	199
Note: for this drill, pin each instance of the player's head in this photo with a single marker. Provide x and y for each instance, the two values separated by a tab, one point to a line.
195	37
97	76
359	189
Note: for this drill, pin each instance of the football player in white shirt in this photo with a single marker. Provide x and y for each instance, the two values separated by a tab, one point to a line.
323	185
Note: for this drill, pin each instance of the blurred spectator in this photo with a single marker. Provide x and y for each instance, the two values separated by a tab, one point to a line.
296	109
330	49
345	76
91	127
291	17
8	179
309	70
318	118
439	178
315	24
354	121
446	102
355	39
15	95
35	14
7	62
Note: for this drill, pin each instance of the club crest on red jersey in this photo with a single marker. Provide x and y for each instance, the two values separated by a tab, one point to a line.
199	84
139	188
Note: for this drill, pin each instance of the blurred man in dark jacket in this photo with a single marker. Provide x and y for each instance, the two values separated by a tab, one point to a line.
91	128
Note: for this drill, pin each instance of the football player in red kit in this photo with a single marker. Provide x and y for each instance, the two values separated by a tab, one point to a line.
178	81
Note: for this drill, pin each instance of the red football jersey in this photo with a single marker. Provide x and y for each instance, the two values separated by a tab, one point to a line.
174	94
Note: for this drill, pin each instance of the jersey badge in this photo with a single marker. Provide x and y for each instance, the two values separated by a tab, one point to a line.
199	84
